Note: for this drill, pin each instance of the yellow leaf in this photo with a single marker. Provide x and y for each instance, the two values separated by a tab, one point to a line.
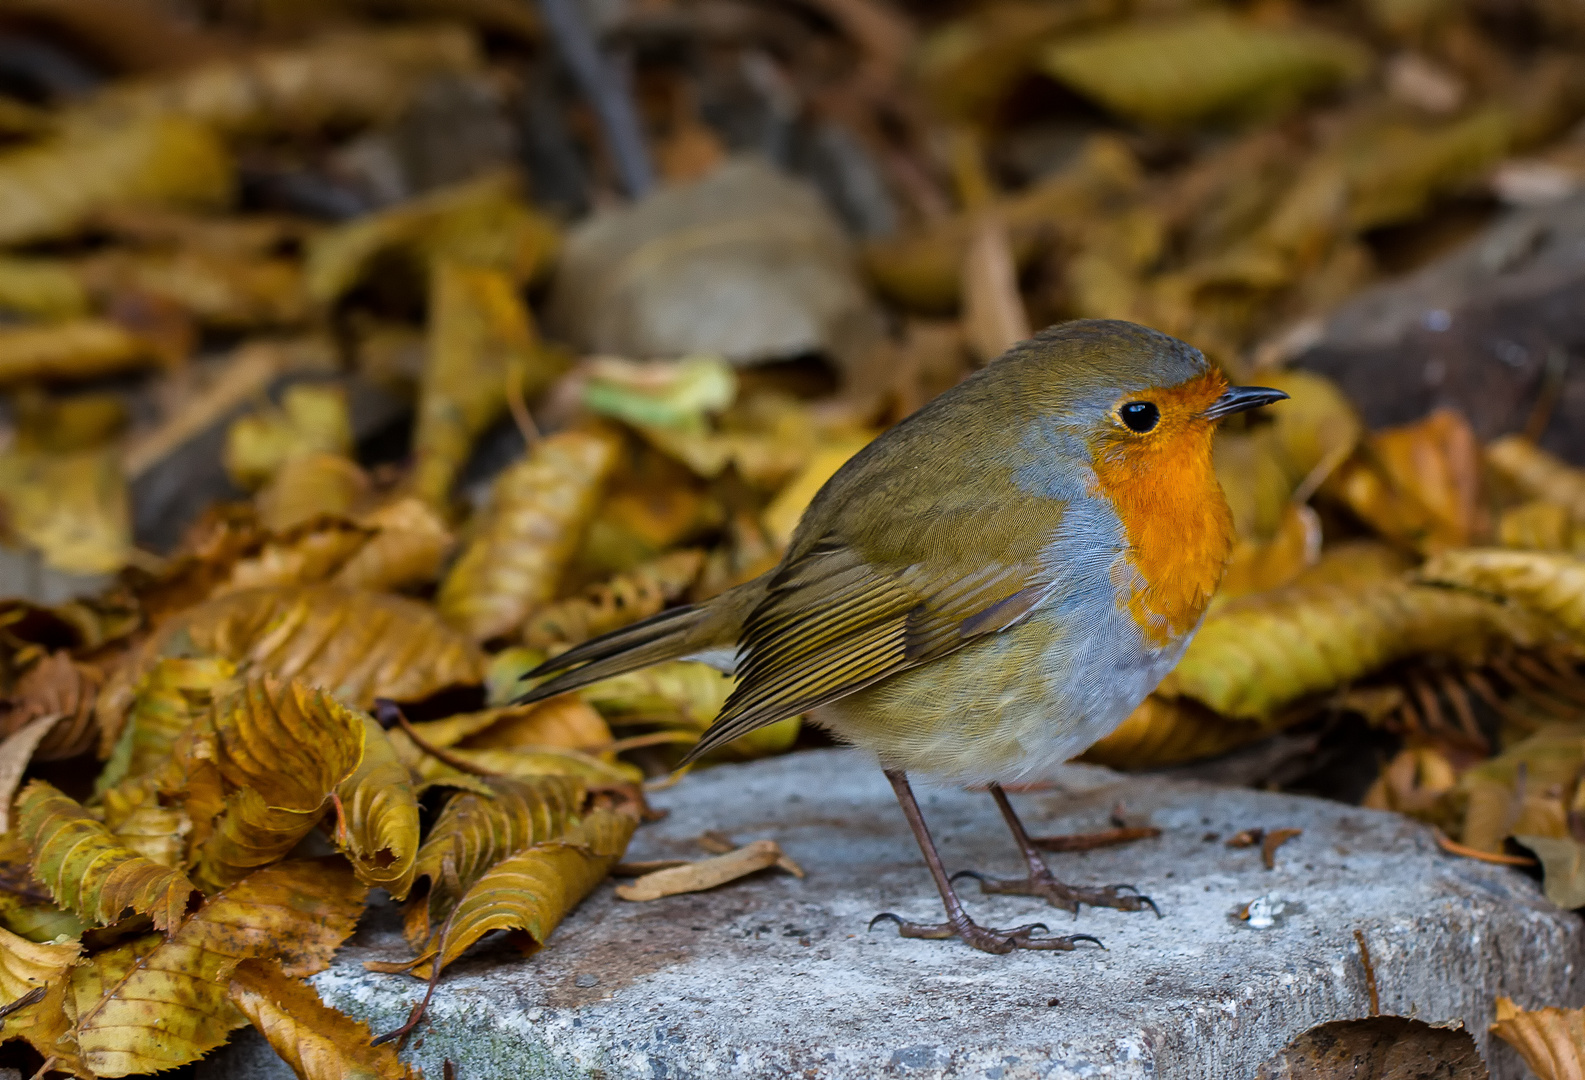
1255	567
171	1005
1540	526
483	223
308	488
41	288
1171	731
87	871
525	538
1538	474
625	599
1546	582
346	79
482	348
782	515
26	967
318	1042
57	686
1551	1041
382	815
281	750
408	548
73	508
1260	653
532	891
564	722
311	418
358	645
514	762
302	555
474	832
684	693
173	694
707	873
50	189
1203	67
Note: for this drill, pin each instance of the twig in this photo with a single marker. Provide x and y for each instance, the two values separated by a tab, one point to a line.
386	710
1453	847
32	997
605	85
1091	841
1370	973
519	408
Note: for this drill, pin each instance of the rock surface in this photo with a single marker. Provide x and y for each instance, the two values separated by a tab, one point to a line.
773	976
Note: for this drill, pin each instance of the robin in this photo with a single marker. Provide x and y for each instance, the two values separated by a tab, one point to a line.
986	589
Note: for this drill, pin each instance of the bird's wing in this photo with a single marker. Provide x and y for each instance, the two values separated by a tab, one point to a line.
832	623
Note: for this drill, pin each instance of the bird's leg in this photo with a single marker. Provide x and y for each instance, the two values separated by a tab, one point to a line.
958	923
1041	882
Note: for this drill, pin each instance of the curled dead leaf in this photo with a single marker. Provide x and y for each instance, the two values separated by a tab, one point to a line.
706	874
318	1042
538	510
1550	583
1551	1040
87	871
381	812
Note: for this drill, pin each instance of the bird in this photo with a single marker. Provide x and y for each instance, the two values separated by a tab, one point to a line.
986	589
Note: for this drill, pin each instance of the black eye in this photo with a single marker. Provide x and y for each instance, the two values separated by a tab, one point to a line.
1140	416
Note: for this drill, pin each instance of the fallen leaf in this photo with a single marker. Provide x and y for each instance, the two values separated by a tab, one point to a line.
1164	731
53	187
87	871
26	968
1550	583
538	509
1551	1040
625	599
381	812
1272	841
1538	474
72	508
318	1042
563	722
280	750
706	874
475	832
174	693
1562	866
993	310
309	488
311	418
16	752
297	912
532	891
408	548
79	350
356	644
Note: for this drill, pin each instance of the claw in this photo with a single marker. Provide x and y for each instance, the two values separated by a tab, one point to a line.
883	915
975	874
1087	937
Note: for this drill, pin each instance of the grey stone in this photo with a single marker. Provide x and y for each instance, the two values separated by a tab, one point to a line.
1488	329
775	976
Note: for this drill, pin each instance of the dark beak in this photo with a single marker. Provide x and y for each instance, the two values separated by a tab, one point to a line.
1238	398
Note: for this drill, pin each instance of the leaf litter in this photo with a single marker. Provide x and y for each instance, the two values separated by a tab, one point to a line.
231	252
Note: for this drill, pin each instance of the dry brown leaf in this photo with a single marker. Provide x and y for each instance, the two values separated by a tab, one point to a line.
532	891
318	1042
139	822
296	912
1551	1041
565	722
228	292
1549	583
610	605
53	187
706	874
356	644
279	751
483	348
57	686
1418	484
309	488
408	548
87	871
476	831
525	538
602	770
1538	525
45	289
81	349
381	813
16	752
305	555
994	319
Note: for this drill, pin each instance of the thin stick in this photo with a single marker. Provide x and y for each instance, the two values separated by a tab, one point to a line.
1453	847
390	710
1370	974
32	997
519	408
1091	841
604	83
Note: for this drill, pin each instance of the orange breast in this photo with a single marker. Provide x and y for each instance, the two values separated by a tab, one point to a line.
1164	491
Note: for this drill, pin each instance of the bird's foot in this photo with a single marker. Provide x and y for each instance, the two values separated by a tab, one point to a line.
985	938
1066	897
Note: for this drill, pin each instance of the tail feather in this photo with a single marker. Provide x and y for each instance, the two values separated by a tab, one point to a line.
670	635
